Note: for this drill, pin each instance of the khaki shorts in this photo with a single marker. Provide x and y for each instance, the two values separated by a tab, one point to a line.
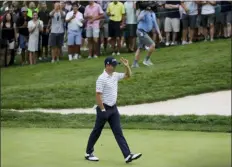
172	25
92	32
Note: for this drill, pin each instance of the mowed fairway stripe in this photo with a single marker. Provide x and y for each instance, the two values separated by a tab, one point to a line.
66	147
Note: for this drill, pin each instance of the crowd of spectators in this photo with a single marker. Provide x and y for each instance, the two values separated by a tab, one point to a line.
35	31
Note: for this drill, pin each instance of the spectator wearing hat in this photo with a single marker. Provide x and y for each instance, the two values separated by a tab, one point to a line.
21	25
93	14
74	19
31	8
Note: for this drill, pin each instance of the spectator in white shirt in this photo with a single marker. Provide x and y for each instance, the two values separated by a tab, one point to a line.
131	24
74	19
189	18
208	18
34	27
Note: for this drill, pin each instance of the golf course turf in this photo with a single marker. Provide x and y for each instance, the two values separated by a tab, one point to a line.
66	147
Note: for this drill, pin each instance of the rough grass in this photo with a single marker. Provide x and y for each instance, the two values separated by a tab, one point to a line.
210	123
177	71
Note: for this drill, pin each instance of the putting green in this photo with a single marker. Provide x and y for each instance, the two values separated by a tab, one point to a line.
66	148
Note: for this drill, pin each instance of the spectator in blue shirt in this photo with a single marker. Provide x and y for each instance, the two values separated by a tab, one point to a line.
146	22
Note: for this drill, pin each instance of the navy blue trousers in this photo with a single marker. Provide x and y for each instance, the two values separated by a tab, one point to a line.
112	116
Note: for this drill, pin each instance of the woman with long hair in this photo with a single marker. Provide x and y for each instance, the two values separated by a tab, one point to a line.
9	35
34	27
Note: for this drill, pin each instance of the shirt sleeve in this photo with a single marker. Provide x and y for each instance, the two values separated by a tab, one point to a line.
100	9
108	8
67	16
81	16
30	25
123	9
99	85
41	23
85	13
119	76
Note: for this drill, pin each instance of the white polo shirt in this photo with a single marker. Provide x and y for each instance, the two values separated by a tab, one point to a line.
108	86
75	23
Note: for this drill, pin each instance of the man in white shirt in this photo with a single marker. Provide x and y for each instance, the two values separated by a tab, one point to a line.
106	97
74	20
189	18
131	24
208	18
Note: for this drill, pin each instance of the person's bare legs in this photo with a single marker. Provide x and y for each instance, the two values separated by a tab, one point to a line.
211	32
184	34
174	34
59	50
90	45
70	52
191	34
133	43
23	59
205	33
105	43
137	54
53	54
30	58
229	30
168	37
118	44
34	57
95	47
78	49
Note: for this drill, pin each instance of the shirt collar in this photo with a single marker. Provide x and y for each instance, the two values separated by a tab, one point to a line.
106	74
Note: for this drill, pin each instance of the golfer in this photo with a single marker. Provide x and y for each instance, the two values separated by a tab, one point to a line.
106	96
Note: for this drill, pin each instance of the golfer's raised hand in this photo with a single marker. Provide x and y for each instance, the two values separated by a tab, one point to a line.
125	61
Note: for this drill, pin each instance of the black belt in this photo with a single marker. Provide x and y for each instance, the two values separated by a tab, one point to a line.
107	106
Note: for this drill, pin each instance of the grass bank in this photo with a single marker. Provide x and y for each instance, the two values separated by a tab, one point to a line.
211	123
177	71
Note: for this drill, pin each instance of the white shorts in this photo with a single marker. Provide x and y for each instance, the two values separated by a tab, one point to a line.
92	32
172	25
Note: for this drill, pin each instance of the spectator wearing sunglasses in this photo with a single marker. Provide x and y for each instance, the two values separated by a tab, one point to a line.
57	31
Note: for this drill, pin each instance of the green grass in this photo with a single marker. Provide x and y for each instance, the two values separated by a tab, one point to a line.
66	147
208	123
178	71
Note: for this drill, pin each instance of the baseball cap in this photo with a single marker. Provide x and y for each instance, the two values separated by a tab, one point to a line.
24	9
111	61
